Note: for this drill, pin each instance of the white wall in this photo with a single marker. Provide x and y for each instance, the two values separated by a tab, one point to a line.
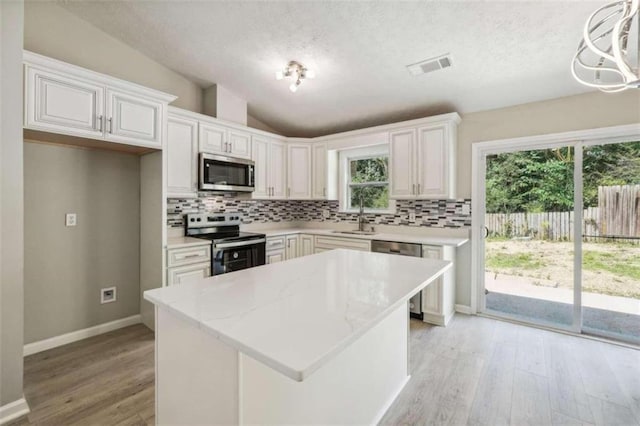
11	202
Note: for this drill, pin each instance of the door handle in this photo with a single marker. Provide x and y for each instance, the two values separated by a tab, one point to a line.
110	125
100	123
486	232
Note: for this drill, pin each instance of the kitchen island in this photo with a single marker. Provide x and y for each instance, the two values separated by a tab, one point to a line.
317	339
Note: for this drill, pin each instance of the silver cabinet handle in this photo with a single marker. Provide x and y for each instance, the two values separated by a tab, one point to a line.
413	191
228	146
324	192
418	189
288	192
100	123
190	255
110	120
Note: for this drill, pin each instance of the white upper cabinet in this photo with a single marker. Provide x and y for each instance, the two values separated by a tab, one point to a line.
401	156
63	105
213	138
422	160
299	177
182	157
216	138
132	119
278	169
319	170
270	158
239	144
66	99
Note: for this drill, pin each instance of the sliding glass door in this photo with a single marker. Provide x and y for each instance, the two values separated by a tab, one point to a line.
529	253
561	244
611	241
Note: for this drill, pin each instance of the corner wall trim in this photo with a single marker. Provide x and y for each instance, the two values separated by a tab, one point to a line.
13	410
463	309
74	336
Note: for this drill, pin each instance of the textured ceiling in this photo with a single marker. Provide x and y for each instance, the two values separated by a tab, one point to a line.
503	53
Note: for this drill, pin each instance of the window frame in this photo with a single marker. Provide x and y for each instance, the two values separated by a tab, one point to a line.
361	153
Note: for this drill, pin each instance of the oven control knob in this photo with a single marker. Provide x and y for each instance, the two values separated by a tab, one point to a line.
192	220
235	255
198	219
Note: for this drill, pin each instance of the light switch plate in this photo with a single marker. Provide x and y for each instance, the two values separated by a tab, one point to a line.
326	213
412	217
70	219
466	209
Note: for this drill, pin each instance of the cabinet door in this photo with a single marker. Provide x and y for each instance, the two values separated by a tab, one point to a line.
306	245
292	247
401	156
274	256
319	178
133	120
260	156
299	176
433	164
432	294
63	105
213	138
278	169
184	274
239	144
182	157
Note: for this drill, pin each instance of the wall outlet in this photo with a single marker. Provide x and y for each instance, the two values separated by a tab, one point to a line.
70	219
326	213
412	217
108	295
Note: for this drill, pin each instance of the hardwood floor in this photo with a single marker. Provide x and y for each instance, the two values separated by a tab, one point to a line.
103	380
479	371
476	371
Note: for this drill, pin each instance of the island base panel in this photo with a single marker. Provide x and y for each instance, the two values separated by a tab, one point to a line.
201	380
355	387
196	375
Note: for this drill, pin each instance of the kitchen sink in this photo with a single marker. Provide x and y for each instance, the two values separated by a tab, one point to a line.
355	232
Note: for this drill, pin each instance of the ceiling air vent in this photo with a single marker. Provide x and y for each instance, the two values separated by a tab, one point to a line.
433	64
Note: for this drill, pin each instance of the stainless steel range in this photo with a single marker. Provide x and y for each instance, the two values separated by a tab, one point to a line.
232	250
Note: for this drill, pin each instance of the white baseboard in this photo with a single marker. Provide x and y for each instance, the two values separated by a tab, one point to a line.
463	309
74	336
391	400
13	410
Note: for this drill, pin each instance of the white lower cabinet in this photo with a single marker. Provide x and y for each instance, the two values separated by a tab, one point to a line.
188	264
184	274
324	243
292	246
274	256
306	245
275	249
438	299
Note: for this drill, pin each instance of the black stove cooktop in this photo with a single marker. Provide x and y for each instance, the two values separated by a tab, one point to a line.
226	237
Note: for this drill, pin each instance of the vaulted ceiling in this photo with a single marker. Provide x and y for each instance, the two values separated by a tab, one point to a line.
503	53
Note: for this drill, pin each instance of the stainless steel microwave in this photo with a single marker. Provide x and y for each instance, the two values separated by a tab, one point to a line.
220	173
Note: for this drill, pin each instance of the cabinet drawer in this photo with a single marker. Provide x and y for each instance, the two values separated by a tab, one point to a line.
184	274
189	255
346	243
274	256
275	243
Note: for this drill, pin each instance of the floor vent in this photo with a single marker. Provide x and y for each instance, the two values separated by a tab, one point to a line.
430	65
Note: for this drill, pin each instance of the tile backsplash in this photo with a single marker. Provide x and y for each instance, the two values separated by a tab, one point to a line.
431	213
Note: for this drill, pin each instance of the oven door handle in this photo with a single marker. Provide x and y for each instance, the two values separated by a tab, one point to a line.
239	243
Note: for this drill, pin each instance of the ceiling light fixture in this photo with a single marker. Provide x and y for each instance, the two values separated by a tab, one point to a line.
608	58
296	71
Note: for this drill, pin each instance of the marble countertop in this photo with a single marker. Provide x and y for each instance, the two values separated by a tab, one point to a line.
401	238
181	242
297	315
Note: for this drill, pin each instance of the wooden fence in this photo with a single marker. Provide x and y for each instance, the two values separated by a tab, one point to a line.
616	217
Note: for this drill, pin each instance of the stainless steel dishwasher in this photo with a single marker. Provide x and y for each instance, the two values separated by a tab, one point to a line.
403	249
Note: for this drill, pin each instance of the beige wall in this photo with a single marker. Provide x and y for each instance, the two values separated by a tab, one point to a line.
580	112
52	31
65	267
11	202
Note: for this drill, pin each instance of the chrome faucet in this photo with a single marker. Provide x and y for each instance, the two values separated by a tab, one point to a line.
361	220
